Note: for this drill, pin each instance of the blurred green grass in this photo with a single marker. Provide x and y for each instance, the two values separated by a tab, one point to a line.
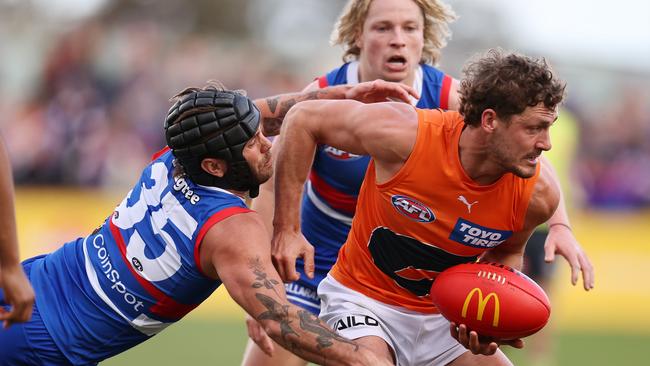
221	342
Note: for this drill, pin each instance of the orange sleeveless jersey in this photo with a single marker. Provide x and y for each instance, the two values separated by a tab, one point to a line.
428	217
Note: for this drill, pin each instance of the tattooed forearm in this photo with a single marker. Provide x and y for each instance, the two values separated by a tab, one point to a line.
275	311
278	313
324	335
309	326
280	105
272	103
285	104
293	328
261	279
271	124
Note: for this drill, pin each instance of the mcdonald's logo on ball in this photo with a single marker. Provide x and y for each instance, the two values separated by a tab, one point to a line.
482	303
492	299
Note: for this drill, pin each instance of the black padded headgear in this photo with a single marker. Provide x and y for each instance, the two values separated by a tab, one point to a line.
215	124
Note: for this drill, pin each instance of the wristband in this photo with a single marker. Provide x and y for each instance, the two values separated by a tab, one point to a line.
560	224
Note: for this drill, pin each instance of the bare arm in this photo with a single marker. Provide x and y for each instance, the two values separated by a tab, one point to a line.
548	206
8	239
560	216
273	109
237	252
386	131
18	292
265	201
560	240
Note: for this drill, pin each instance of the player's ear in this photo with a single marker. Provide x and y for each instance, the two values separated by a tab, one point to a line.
489	120
214	166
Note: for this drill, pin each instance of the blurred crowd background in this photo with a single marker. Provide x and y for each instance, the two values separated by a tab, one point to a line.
84	85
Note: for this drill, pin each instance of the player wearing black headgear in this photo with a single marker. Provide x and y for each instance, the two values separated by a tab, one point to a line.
171	242
214	123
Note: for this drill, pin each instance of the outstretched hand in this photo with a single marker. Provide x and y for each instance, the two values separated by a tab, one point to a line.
18	293
286	247
259	336
561	240
381	91
479	345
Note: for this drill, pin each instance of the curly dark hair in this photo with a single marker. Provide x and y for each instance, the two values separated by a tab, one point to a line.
507	83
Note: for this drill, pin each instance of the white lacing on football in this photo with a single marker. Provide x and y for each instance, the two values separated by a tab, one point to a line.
492	276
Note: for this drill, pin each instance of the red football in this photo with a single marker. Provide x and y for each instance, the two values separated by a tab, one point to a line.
492	299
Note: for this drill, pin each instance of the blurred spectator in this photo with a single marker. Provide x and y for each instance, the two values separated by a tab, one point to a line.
95	118
614	161
96	88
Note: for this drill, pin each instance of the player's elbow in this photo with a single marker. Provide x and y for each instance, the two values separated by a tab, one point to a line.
298	115
551	202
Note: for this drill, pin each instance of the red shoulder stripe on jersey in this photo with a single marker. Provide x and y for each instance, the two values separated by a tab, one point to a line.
335	198
166	306
322	82
221	215
159	153
444	92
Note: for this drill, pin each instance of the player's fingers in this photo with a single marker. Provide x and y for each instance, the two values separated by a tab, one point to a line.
276	264
267	346
253	328
549	253
463	337
403	92
375	92
576	270
284	270
280	267
6	318
389	91
515	343
587	272
491	349
259	336
411	91
309	262
453	330
290	273
286	266
401	95
474	343
478	348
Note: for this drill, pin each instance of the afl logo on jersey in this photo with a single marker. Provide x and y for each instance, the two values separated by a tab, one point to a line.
412	209
337	154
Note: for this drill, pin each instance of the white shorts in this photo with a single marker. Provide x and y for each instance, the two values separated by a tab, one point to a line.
417	339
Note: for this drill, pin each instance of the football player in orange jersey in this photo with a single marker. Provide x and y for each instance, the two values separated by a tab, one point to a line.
13	282
442	188
393	40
